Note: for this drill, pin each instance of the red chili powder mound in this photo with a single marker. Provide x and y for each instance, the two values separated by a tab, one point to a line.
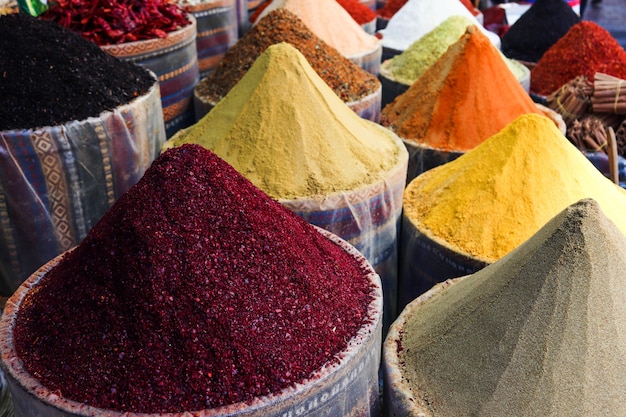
465	97
359	11
195	290
390	8
585	49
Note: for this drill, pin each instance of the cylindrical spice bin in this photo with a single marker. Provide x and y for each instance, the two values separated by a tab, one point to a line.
6	406
530	334
369	60
243	24
56	182
217	28
174	59
369	219
347	387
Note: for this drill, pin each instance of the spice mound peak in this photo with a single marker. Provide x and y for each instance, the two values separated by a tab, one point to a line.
465	96
496	196
195	290
285	130
547	318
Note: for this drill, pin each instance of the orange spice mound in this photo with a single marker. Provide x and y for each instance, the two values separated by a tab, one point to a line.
466	96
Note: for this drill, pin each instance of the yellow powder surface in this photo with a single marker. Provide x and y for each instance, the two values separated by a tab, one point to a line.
331	22
541	332
463	98
285	130
496	196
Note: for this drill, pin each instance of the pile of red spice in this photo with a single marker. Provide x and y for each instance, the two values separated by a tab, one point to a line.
109	22
195	290
585	49
390	8
361	13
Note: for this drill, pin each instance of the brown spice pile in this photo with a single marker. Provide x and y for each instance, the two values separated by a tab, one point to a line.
349	81
539	332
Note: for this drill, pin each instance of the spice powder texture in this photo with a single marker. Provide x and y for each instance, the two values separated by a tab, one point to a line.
548	319
496	196
466	96
195	290
285	130
349	81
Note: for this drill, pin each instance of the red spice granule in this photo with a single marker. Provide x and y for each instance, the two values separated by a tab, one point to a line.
390	8
109	22
359	11
585	49
195	290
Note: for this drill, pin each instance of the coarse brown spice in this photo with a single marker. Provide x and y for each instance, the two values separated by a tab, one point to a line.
350	82
195	290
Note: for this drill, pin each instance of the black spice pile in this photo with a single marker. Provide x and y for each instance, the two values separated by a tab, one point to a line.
545	22
50	75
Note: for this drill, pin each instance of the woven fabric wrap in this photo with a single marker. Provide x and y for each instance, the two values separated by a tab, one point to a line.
368	218
174	60
56	182
217	31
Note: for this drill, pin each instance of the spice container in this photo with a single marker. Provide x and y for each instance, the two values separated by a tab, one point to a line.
245	310
174	59
482	205
6	405
217	30
312	153
522	315
74	148
359	89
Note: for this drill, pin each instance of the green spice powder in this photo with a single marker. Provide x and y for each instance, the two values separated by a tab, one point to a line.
539	333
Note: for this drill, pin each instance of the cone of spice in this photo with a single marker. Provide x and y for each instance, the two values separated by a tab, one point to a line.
493	198
195	291
585	49
416	18
409	65
532	334
334	25
463	98
540	27
284	129
359	89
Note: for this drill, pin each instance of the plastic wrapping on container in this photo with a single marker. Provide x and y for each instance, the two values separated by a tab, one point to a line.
174	60
217	31
397	395
349	387
243	24
369	219
370	27
391	88
6	405
368	107
56	182
369	60
424	262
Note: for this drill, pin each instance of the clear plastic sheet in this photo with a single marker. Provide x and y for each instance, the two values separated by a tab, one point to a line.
56	182
348	388
369	219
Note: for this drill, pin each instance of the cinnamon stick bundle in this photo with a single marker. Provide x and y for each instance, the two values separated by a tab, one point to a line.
588	134
572	100
609	94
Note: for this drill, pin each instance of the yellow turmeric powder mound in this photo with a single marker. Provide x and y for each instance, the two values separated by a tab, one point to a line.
541	332
463	98
496	196
285	130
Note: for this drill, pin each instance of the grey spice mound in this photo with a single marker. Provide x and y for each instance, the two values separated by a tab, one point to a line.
541	332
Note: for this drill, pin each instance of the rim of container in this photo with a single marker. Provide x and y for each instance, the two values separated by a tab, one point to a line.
394	376
15	368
